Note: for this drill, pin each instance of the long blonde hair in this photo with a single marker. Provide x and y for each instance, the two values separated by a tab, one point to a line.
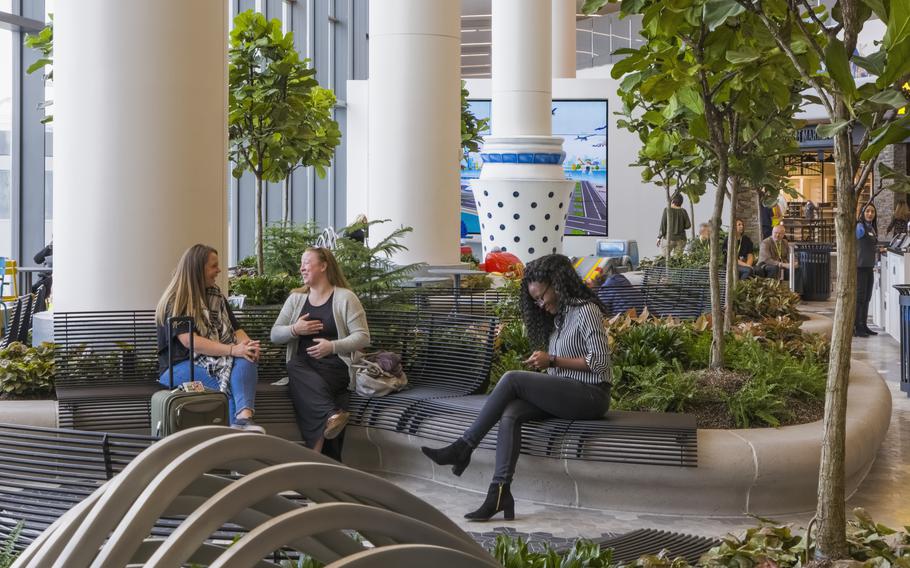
185	295
332	271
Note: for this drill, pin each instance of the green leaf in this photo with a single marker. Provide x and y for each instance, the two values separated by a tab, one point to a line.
654	117
838	66
874	63
898	182
744	55
829	130
716	12
38	65
891	133
592	6
898	24
890	97
879	7
690	99
658	88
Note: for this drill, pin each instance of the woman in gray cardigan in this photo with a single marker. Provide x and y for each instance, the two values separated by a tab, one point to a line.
324	327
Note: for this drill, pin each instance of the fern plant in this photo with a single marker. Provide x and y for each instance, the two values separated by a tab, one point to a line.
370	270
8	552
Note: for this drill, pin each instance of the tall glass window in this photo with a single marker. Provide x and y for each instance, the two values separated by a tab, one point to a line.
6	133
49	148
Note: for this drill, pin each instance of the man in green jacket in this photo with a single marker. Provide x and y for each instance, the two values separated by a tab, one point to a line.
673	225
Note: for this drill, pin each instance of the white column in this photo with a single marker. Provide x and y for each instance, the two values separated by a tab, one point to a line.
140	128
522	195
520	64
564	39
415	125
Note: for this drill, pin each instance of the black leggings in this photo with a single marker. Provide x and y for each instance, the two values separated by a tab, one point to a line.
520	396
864	280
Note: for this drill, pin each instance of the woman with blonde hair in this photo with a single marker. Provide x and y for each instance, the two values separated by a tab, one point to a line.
225	357
324	327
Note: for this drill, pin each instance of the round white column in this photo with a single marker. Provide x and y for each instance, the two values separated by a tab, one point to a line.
522	195
415	125
520	68
140	128
563	49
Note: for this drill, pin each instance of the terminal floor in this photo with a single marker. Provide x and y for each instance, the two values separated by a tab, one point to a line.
885	493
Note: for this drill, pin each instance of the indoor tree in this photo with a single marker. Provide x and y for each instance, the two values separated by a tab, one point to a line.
279	118
820	44
721	77
43	41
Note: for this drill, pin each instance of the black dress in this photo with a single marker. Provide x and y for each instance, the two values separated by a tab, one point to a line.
319	387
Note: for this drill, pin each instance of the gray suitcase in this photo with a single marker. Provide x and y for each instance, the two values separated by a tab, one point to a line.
174	410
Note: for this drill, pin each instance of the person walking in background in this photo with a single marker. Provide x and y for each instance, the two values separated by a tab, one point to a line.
673	226
225	357
866	249
325	328
564	315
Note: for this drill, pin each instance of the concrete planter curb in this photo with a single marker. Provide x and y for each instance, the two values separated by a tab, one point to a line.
41	413
817	323
764	471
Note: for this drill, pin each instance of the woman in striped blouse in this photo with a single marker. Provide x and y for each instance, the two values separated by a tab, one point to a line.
564	314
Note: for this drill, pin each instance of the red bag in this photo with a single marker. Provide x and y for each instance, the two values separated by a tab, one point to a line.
501	262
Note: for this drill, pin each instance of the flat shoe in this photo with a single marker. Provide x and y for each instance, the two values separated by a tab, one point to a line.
335	424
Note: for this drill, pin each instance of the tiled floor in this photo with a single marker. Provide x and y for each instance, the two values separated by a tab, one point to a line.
885	493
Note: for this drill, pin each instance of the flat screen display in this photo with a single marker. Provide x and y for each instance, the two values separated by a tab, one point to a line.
582	124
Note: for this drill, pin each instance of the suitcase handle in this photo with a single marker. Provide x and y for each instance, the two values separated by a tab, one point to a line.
178	320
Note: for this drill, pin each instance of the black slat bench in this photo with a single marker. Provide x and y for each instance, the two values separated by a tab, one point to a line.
107	371
649	438
45	471
107	364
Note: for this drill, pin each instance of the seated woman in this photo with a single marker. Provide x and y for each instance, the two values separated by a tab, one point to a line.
225	357
564	314
324	327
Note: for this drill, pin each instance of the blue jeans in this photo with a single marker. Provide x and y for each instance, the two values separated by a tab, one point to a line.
244	376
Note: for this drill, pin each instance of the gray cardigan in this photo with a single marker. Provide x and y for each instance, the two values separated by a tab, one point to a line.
350	319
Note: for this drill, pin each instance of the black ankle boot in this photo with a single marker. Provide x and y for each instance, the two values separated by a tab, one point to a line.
499	498
869	331
456	454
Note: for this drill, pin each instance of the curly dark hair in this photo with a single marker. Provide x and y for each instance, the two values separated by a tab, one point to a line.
557	272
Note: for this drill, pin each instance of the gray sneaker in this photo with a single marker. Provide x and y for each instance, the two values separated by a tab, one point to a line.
248	425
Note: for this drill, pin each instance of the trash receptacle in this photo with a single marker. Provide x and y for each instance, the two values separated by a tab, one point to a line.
904	307
814	271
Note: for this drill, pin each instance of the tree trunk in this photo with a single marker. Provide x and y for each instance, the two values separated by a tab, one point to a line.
732	256
286	201
260	258
692	217
831	514
717	308
667	236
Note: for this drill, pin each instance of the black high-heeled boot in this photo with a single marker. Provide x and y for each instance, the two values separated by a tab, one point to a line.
457	454
499	498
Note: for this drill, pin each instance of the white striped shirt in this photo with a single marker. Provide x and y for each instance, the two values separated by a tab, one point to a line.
579	332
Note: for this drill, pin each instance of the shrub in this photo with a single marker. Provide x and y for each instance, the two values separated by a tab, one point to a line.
369	270
283	245
514	553
651	342
264	289
27	371
762	298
